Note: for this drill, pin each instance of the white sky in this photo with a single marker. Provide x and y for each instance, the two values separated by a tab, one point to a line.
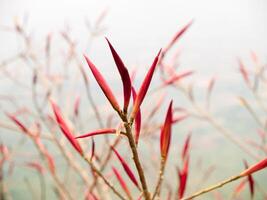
223	29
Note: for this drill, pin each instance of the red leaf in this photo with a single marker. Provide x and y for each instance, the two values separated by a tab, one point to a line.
177	36
137	120
254	57
243	71
36	166
251	181
165	136
125	77
103	85
179	118
177	77
257	167
122	182
186	147
126	168
90	196
65	129
39	144
98	132
183	178
239	188
18	123
49	158
51	162
144	87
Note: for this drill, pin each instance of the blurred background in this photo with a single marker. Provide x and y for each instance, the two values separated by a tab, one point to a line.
222	33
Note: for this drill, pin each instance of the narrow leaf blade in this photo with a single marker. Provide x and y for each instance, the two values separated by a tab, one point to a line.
178	35
97	132
250	181
122	182
103	84
64	128
138	120
144	87
165	137
126	168
125	77
18	123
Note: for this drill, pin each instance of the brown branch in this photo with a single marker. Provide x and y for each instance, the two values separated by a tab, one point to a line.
160	178
136	158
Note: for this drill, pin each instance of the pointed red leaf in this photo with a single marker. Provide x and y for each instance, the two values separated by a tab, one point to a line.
243	71
165	136
18	123
51	162
103	84
122	182
186	147
101	17
98	132
254	57
177	36
177	77
125	77
137	120
126	168
183	178
250	181
182	184
144	87
239	187
36	166
47	155
90	196
179	118
65	129
257	167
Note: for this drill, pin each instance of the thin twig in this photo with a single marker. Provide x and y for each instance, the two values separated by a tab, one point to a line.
160	178
99	173
213	187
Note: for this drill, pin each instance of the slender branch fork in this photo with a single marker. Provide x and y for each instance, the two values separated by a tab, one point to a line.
129	135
